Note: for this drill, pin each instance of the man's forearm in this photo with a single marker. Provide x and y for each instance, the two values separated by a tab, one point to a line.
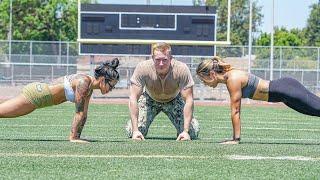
134	113
187	112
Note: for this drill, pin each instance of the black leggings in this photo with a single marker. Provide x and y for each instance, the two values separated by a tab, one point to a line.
292	93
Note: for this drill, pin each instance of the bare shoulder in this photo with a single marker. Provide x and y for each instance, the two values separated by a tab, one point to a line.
237	77
84	77
82	84
72	78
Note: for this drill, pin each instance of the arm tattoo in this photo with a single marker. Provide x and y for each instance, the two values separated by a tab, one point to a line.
80	106
77	126
82	91
264	90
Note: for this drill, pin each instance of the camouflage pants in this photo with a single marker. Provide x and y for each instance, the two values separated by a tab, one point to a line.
149	109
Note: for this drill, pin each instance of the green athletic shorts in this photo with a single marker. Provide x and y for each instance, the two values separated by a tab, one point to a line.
38	94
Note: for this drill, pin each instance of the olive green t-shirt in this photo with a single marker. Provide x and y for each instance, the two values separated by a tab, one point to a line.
162	90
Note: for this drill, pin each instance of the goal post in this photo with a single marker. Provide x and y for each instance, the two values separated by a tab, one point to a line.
114	29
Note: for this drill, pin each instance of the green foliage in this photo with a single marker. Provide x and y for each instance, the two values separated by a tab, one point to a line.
313	26
286	57
290	54
285	38
239	19
263	40
309	36
35	20
282	37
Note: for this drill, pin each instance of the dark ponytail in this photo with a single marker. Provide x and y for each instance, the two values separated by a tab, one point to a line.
108	70
114	63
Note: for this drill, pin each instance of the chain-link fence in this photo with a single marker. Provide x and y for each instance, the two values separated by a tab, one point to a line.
31	61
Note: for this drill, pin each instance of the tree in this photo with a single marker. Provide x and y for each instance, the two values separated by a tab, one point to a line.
239	19
35	20
313	26
282	37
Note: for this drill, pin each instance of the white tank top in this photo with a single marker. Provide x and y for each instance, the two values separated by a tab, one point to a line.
68	91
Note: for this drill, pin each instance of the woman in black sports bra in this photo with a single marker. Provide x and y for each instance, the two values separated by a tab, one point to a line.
240	84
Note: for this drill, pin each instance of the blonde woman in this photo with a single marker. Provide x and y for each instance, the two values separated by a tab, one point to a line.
241	84
76	88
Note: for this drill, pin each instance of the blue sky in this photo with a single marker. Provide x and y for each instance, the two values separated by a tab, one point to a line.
288	13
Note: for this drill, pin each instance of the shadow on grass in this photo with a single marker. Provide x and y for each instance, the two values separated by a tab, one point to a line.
55	140
284	143
35	140
109	140
160	138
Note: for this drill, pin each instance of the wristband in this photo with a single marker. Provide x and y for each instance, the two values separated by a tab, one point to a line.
237	139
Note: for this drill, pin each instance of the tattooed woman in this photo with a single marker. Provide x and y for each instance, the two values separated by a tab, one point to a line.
75	88
240	84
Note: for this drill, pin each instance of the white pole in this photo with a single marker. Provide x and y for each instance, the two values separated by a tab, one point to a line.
250	37
228	23
10	30
318	67
79	20
59	59
271	44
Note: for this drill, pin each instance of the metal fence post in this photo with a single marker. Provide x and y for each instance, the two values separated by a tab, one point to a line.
318	59
12	69
51	72
280	62
242	51
30	61
91	64
68	45
127	76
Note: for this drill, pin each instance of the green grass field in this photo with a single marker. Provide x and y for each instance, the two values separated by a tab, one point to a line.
277	143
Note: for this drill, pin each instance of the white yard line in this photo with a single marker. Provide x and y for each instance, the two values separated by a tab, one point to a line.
60	137
164	126
155	156
266	139
287	158
269	122
100	156
125	138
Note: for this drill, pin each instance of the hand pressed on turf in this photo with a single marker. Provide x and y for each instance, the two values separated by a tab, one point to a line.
231	141
184	136
79	140
137	135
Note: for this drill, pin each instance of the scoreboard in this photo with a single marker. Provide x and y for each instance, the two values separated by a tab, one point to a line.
109	29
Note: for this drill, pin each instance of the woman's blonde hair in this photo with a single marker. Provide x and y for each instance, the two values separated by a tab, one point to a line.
216	64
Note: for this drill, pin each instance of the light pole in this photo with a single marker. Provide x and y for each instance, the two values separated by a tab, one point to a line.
10	31
271	43
250	37
58	16
10	42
